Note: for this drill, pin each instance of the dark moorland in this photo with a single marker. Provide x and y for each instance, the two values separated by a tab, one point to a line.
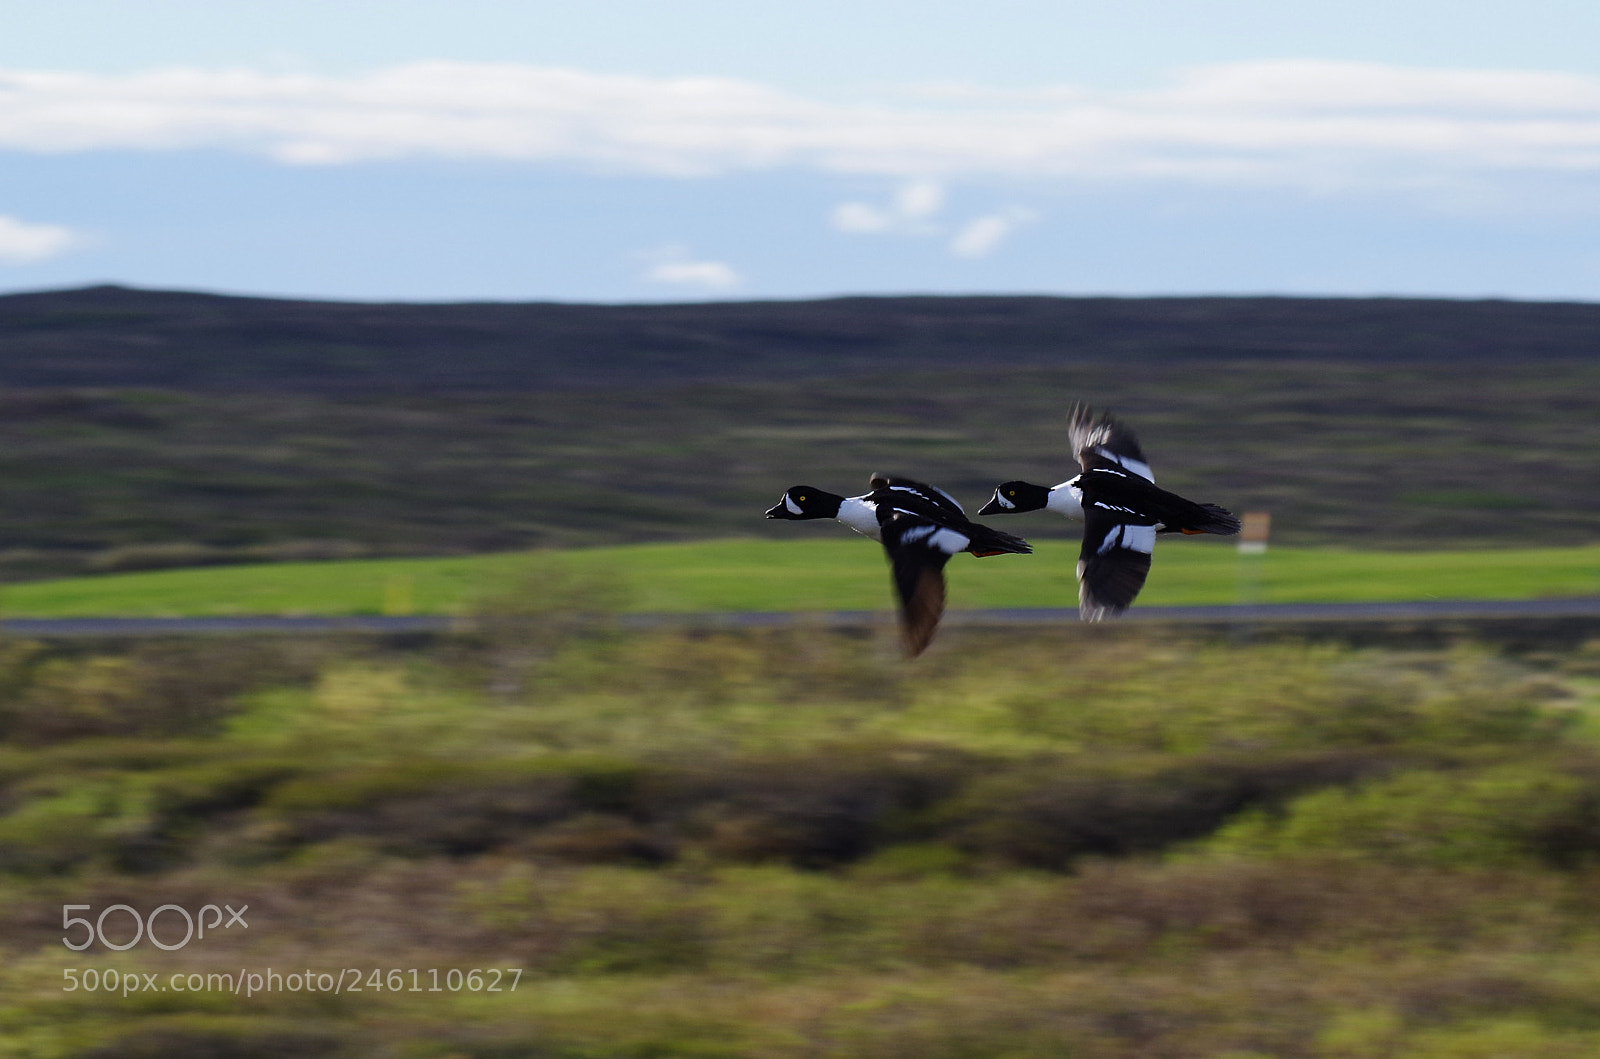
540	836
145	428
115	336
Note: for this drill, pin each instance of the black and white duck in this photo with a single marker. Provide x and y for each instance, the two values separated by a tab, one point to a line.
1121	508
921	528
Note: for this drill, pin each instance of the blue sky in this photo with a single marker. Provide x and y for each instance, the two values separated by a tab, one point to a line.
632	151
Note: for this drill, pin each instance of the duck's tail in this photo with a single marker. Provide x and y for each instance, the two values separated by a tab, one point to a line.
1212	519
989	541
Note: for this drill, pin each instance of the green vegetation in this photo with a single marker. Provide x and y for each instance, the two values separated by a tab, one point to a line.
540	836
1095	842
838	572
1363	452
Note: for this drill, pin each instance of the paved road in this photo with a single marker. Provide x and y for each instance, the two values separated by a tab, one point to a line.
1267	613
360	623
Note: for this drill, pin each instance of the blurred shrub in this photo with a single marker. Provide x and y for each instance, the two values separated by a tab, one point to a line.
164	688
520	626
810	810
1051	814
1193	696
1499	815
819	810
222	1037
779	666
428	808
798	748
59	825
160	555
166	555
126	811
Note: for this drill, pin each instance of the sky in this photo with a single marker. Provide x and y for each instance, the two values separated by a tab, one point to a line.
625	151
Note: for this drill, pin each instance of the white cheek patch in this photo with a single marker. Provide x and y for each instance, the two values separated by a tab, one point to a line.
790	506
1003	502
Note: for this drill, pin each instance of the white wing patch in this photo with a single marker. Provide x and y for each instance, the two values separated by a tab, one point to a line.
945	540
1127	463
1133	538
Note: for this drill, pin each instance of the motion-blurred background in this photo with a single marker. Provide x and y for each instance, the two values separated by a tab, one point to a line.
522	314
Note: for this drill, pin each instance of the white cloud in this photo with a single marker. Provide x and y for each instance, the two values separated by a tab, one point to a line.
914	210
1319	84
1310	124
22	243
711	275
909	213
981	236
673	265
919	199
858	218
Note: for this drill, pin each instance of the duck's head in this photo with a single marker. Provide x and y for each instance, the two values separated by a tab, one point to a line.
1011	497
803	502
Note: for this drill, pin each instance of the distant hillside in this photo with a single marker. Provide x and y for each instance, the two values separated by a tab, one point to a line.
146	429
117	337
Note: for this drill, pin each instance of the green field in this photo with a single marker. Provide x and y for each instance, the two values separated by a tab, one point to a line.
834	573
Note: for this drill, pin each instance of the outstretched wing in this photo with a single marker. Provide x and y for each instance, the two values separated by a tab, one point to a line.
1113	564
907	488
918	550
1098	441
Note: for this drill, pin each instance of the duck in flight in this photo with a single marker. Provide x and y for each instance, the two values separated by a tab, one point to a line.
1121	507
921	528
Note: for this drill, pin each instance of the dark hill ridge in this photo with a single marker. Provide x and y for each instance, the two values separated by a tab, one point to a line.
144	428
116	336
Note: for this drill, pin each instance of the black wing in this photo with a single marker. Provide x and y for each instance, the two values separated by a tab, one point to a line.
935	505
1098	441
918	550
909	490
1113	564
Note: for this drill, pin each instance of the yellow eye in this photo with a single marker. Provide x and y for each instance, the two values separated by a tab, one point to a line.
1011	492
801	499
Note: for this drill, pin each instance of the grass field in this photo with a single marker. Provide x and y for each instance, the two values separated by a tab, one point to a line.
833	573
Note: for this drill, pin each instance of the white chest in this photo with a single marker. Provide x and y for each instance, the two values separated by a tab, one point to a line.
1066	499
861	516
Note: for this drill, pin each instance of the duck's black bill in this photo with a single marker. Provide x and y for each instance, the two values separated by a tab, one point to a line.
993	507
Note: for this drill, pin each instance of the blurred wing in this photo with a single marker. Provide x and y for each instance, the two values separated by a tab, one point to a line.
918	550
1098	441
928	494
1113	564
